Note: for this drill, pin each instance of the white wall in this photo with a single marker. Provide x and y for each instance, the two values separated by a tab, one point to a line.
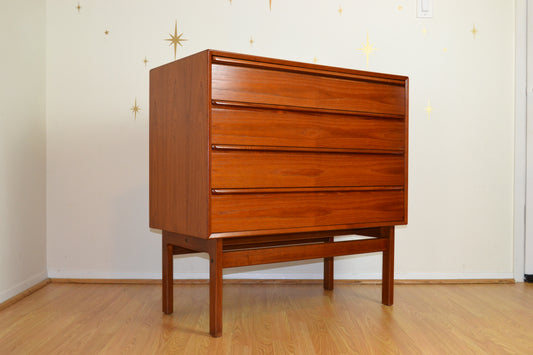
461	155
22	147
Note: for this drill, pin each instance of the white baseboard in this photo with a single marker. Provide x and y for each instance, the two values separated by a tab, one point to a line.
23	286
279	276
455	276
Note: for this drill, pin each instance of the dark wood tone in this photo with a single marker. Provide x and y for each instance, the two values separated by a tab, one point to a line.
373	232
282	128
179	146
406	152
339	229
312	110
328	269
387	289
187	242
293	210
260	169
215	287
272	243
262	240
247	190
168	275
257	160
235	83
180	250
301	252
299	149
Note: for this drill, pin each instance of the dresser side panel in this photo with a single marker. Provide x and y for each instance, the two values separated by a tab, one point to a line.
179	146
406	154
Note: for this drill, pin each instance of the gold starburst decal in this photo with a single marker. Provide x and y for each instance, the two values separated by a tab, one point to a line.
106	32
78	7
367	49
429	109
340	10
251	41
315	60
135	109
474	31
145	61
175	39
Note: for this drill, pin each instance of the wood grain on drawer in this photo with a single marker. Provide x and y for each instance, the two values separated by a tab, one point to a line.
258	169
296	129
231	213
241	84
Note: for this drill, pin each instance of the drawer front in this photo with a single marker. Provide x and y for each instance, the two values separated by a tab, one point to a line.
293	129
254	85
262	169
246	212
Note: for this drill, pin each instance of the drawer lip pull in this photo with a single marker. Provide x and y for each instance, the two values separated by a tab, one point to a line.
242	104
223	191
304	149
325	71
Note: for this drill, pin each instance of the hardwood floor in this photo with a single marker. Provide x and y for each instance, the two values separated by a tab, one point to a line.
271	319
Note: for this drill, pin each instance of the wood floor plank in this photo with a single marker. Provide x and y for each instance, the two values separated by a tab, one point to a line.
272	319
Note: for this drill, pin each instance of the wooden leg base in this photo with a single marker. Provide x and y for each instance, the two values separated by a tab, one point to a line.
387	289
168	276
215	287
243	251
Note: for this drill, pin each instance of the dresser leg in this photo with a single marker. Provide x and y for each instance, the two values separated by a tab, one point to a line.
328	270
328	273
387	296
168	276
215	287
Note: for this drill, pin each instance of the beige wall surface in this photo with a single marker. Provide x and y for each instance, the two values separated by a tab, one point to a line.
461	69
22	146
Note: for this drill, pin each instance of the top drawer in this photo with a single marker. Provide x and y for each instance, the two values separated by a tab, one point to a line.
271	87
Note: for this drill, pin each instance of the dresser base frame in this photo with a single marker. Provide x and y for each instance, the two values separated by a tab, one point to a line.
244	251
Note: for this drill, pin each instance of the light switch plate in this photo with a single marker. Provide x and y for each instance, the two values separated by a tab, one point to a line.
424	8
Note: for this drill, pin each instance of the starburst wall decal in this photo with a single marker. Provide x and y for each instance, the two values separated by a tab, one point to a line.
428	109
175	39
135	109
474	31
367	49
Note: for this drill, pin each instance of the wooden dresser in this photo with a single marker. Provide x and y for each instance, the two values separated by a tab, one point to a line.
258	160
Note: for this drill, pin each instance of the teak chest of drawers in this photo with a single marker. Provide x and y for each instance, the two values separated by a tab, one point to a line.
257	160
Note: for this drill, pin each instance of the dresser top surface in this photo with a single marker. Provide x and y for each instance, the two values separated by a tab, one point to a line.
221	55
